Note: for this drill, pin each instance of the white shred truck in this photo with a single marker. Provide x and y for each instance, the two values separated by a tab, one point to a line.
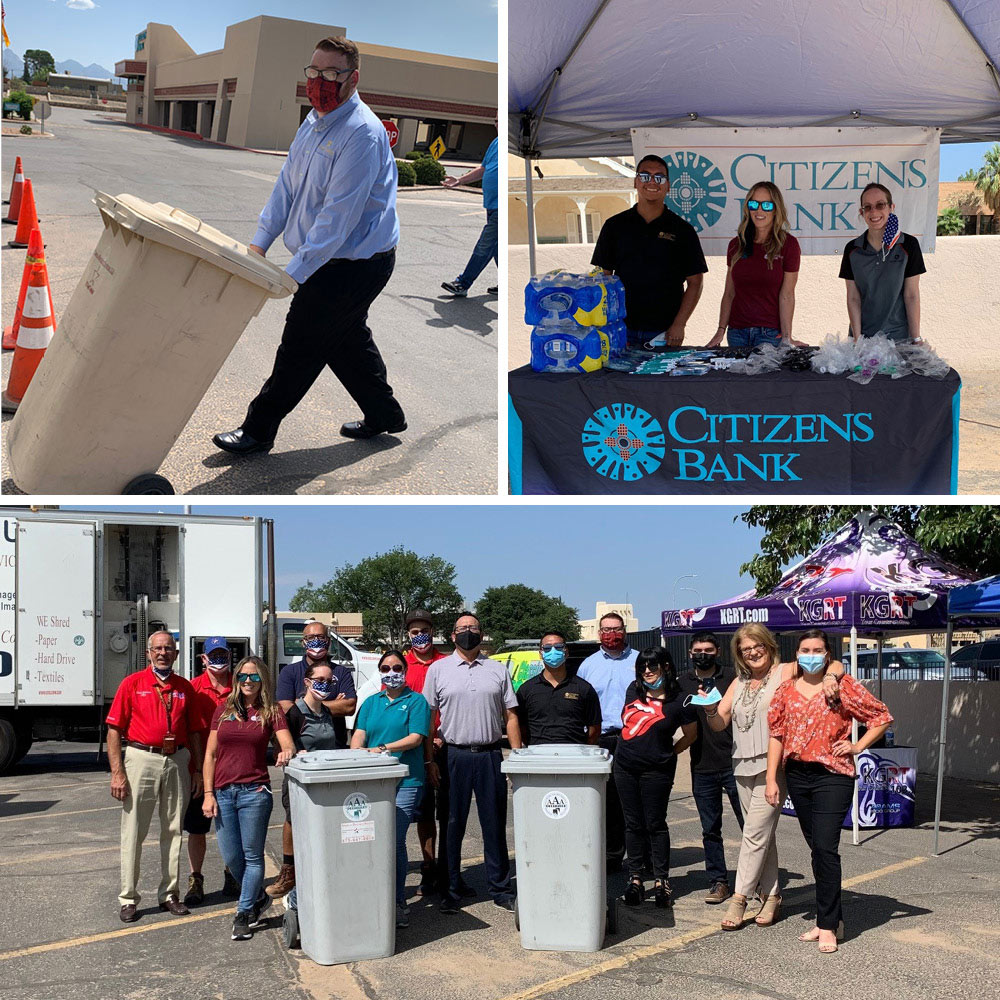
80	593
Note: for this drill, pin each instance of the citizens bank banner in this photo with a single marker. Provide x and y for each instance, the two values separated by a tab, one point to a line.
821	173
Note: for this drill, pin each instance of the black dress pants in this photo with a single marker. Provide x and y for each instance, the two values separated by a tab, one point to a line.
327	325
614	820
821	799
644	797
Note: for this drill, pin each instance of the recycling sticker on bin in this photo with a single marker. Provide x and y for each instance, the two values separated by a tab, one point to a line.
555	805
357	807
357	833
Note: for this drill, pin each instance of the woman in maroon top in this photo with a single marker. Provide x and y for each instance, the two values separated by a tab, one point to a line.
759	299
238	784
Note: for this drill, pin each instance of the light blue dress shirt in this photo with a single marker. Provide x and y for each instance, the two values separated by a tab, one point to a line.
610	677
491	173
336	193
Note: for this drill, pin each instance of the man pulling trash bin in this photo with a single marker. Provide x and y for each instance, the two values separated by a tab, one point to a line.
335	201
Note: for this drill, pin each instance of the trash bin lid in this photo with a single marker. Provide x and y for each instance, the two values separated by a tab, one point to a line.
178	229
344	765
558	758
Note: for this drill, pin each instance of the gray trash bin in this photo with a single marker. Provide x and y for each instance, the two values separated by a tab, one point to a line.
344	818
559	841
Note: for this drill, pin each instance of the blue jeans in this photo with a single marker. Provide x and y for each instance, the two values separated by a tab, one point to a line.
241	827
407	798
486	247
753	336
707	790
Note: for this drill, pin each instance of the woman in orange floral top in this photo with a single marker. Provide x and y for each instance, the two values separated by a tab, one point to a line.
811	740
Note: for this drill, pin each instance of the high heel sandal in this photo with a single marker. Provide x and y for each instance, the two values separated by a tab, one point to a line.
733	919
635	891
770	912
661	895
808	938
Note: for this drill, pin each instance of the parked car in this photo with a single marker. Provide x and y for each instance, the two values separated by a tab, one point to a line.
917	665
981	659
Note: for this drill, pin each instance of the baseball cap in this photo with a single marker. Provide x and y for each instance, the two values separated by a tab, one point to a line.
214	642
419	616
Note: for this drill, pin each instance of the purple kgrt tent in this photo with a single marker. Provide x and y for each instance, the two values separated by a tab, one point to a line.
871	576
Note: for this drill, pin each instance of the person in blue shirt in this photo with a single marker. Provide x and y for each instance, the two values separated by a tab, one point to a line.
486	246
610	671
397	720
335	202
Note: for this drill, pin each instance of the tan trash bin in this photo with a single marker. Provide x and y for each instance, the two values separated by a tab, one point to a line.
162	302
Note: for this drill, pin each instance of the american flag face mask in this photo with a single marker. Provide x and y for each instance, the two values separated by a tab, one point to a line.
891	234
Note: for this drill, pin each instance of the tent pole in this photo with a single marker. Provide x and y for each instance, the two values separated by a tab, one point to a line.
531	216
942	741
879	657
852	669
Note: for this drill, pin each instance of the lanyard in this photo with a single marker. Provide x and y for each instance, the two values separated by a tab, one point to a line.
167	704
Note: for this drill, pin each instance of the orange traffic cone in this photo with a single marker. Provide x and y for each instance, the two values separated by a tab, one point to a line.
36	255
37	327
15	192
27	218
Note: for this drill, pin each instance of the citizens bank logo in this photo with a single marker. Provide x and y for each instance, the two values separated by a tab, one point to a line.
623	442
697	189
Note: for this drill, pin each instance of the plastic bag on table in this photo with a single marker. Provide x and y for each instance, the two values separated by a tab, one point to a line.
766	358
877	355
922	359
835	356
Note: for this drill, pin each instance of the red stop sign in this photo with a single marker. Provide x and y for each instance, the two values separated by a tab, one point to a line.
393	132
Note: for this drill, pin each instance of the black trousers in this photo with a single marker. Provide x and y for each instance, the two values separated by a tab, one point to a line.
614	820
434	806
644	796
327	326
480	773
821	800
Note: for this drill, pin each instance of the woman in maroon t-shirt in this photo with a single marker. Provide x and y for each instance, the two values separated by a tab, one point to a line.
759	299
238	784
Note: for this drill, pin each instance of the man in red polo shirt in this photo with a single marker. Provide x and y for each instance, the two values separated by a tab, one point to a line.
433	807
155	717
211	688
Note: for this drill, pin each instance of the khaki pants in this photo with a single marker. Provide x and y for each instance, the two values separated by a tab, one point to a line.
153	780
758	864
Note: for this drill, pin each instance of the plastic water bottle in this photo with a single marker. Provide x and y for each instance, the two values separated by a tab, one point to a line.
618	336
563	346
580	297
890	737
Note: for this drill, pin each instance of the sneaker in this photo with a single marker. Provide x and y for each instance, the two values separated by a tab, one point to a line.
449	904
241	927
719	893
283	884
402	918
456	288
493	290
196	889
505	901
230	887
263	904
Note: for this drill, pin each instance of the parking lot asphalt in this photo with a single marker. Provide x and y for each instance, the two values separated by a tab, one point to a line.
917	926
441	353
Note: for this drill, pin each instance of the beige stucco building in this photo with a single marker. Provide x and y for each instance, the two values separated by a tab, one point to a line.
252	92
588	628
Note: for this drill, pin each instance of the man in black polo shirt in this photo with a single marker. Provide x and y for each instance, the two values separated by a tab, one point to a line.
555	706
711	762
658	257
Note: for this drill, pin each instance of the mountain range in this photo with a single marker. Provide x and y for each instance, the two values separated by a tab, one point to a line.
14	65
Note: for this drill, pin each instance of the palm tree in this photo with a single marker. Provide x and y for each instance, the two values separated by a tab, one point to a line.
988	177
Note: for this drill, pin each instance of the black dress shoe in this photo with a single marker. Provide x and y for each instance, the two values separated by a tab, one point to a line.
128	914
240	443
359	429
505	901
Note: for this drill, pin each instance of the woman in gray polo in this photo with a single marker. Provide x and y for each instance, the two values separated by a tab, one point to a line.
882	268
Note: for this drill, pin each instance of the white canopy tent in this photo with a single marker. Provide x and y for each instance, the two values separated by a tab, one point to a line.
582	73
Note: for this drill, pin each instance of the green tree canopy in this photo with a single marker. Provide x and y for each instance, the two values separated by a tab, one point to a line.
516	611
988	177
385	588
38	62
969	175
950	222
968	536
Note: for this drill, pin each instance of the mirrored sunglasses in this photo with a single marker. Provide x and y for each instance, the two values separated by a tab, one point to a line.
753	205
249	678
645	176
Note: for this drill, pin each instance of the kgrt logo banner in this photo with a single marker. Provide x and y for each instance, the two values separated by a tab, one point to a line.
821	173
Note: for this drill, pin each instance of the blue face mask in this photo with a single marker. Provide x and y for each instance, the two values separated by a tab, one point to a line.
322	689
654	685
713	697
421	640
315	642
554	657
812	663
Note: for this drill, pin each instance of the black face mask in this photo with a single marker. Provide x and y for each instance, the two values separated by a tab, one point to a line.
704	661
468	640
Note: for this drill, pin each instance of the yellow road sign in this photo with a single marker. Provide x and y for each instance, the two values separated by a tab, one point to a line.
437	148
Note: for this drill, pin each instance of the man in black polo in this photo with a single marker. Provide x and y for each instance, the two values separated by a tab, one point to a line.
658	257
711	762
556	706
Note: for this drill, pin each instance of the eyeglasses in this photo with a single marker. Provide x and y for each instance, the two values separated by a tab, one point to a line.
466	628
612	631
753	205
249	678
645	176
553	645
328	74
753	650
877	207
387	668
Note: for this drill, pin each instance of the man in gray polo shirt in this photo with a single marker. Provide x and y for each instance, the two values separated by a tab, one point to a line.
476	701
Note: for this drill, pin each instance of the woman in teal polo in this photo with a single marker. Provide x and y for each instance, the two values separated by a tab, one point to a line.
397	720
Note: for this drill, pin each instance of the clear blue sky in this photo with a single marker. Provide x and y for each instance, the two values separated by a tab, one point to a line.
958	157
583	554
103	31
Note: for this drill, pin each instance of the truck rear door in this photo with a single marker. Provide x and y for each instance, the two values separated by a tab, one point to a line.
55	630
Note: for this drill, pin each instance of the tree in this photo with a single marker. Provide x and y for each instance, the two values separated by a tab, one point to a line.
968	536
950	222
516	611
988	177
385	588
969	175
37	61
